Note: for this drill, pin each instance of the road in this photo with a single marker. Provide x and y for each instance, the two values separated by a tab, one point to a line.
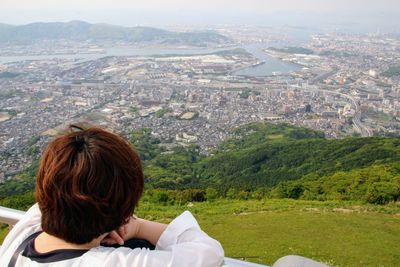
358	125
324	76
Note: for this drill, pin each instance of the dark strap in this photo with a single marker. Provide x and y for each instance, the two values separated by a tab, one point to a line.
133	243
20	248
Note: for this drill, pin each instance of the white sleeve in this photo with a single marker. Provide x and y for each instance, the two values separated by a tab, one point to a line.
29	224
182	244
189	245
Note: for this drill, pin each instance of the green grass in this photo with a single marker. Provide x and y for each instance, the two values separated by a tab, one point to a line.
3	232
337	233
276	136
338	239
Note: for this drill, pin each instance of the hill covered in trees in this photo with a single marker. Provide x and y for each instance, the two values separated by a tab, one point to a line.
82	31
279	161
287	162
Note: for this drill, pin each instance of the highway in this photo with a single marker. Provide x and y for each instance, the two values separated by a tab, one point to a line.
358	125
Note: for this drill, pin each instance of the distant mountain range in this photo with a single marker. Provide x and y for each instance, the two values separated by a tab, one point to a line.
80	31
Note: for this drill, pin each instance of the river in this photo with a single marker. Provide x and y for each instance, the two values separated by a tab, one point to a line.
269	66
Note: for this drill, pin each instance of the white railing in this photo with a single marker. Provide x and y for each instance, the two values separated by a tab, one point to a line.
12	216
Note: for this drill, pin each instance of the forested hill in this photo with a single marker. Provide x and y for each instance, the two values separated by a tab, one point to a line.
286	161
82	31
275	160
271	154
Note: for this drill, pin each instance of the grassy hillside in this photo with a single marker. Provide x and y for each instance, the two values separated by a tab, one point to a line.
21	183
338	233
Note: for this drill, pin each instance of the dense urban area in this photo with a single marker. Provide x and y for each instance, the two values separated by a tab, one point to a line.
340	84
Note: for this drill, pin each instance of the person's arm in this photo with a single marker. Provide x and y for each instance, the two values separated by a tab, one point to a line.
147	230
136	228
182	243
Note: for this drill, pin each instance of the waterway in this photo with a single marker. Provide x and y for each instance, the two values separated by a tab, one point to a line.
269	66
112	51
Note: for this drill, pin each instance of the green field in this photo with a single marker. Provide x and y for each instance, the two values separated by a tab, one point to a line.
340	234
337	233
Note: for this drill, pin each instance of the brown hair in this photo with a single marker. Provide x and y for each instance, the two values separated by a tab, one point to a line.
89	182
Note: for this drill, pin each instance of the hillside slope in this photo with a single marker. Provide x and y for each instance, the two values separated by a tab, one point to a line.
271	154
288	161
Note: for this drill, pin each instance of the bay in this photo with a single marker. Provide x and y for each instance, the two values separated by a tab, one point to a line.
269	66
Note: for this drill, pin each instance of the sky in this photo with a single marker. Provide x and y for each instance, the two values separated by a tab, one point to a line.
246	5
169	12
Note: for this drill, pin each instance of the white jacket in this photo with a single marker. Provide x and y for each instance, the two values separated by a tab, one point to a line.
183	244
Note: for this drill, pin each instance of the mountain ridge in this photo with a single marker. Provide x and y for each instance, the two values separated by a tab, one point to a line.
80	30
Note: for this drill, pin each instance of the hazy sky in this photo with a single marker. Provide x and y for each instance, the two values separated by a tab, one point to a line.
248	5
153	12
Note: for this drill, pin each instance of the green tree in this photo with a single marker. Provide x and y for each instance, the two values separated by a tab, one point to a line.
231	193
382	193
211	194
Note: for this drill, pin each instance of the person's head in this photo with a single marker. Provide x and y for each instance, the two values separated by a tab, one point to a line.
89	182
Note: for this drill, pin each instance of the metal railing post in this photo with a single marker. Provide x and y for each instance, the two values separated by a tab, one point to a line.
10	216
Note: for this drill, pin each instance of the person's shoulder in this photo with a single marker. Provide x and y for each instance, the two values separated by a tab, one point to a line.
13	240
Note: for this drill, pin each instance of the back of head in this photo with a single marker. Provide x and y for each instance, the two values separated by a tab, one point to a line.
89	182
